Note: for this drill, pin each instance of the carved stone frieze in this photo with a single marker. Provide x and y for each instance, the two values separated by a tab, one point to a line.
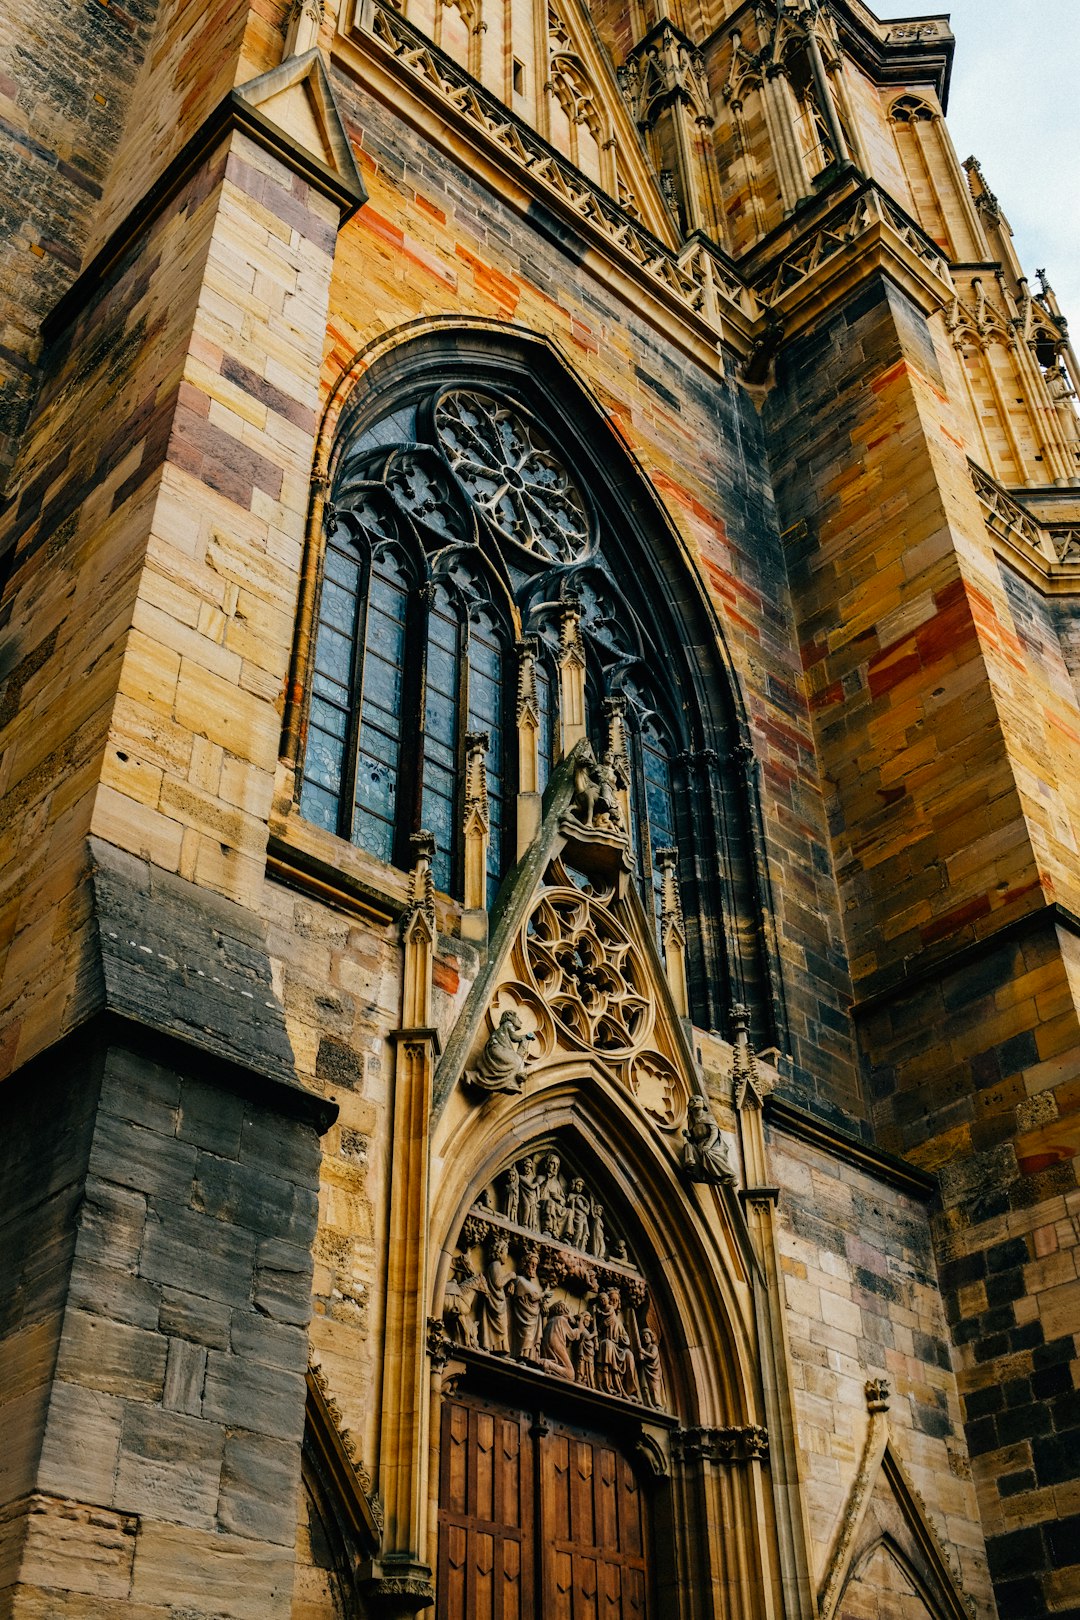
539	1277
737	1444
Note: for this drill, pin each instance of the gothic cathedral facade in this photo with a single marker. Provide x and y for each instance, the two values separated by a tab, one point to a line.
540	850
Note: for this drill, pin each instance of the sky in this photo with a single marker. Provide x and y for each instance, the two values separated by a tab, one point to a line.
1014	103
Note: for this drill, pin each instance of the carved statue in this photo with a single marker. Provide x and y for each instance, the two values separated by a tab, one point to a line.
617	1251
458	1302
513	1193
579	1207
529	1186
595	800
528	1299
492	1301
597	1241
652	1374
618	1369
705	1156
501	1064
560	1332
553	1210
586	1352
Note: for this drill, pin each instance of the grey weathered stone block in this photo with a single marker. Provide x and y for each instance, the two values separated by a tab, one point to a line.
283	1282
252	1197
185	1371
104	1291
82	1443
169	1466
250	1395
133	1156
255	1337
147	1093
114	1357
259	1482
211	1118
193	1316
111	1220
197	1254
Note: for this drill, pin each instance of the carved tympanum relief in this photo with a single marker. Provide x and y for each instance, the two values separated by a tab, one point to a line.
538	1276
576	982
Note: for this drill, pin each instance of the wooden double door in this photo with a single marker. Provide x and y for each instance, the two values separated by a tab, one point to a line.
538	1520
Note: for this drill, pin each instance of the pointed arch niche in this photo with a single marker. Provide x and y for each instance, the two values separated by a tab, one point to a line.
596	1425
489	550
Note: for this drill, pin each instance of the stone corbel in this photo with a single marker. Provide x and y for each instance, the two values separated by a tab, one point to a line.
474	917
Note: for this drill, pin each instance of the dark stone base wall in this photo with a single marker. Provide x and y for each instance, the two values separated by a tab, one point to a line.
158	1342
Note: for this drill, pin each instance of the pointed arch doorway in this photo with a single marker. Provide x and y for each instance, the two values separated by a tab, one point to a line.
538	1516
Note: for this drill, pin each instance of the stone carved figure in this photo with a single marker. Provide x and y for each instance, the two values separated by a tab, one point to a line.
595	800
560	1331
579	1216
528	1298
618	1369
553	1210
597	1240
459	1300
501	1065
586	1352
652	1374
705	1156
513	1194
493	1333
529	1189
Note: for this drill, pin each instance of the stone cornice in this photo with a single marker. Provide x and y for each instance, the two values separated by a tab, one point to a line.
695	296
1045	553
784	1116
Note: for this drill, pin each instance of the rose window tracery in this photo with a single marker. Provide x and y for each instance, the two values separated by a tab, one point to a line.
511	473
587	971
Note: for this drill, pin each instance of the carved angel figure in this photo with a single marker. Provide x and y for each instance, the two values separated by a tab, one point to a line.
705	1156
579	1205
502	1062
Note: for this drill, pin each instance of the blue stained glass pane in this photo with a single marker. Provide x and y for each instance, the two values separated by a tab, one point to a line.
338	607
544	741
439	754
328	717
440	715
318	806
333	654
342	568
323	761
441	669
330	689
382	683
375	787
374	834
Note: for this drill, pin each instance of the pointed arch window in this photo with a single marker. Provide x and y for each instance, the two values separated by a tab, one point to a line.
468	568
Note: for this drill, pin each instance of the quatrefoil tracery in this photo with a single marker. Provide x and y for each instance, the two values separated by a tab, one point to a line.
587	970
